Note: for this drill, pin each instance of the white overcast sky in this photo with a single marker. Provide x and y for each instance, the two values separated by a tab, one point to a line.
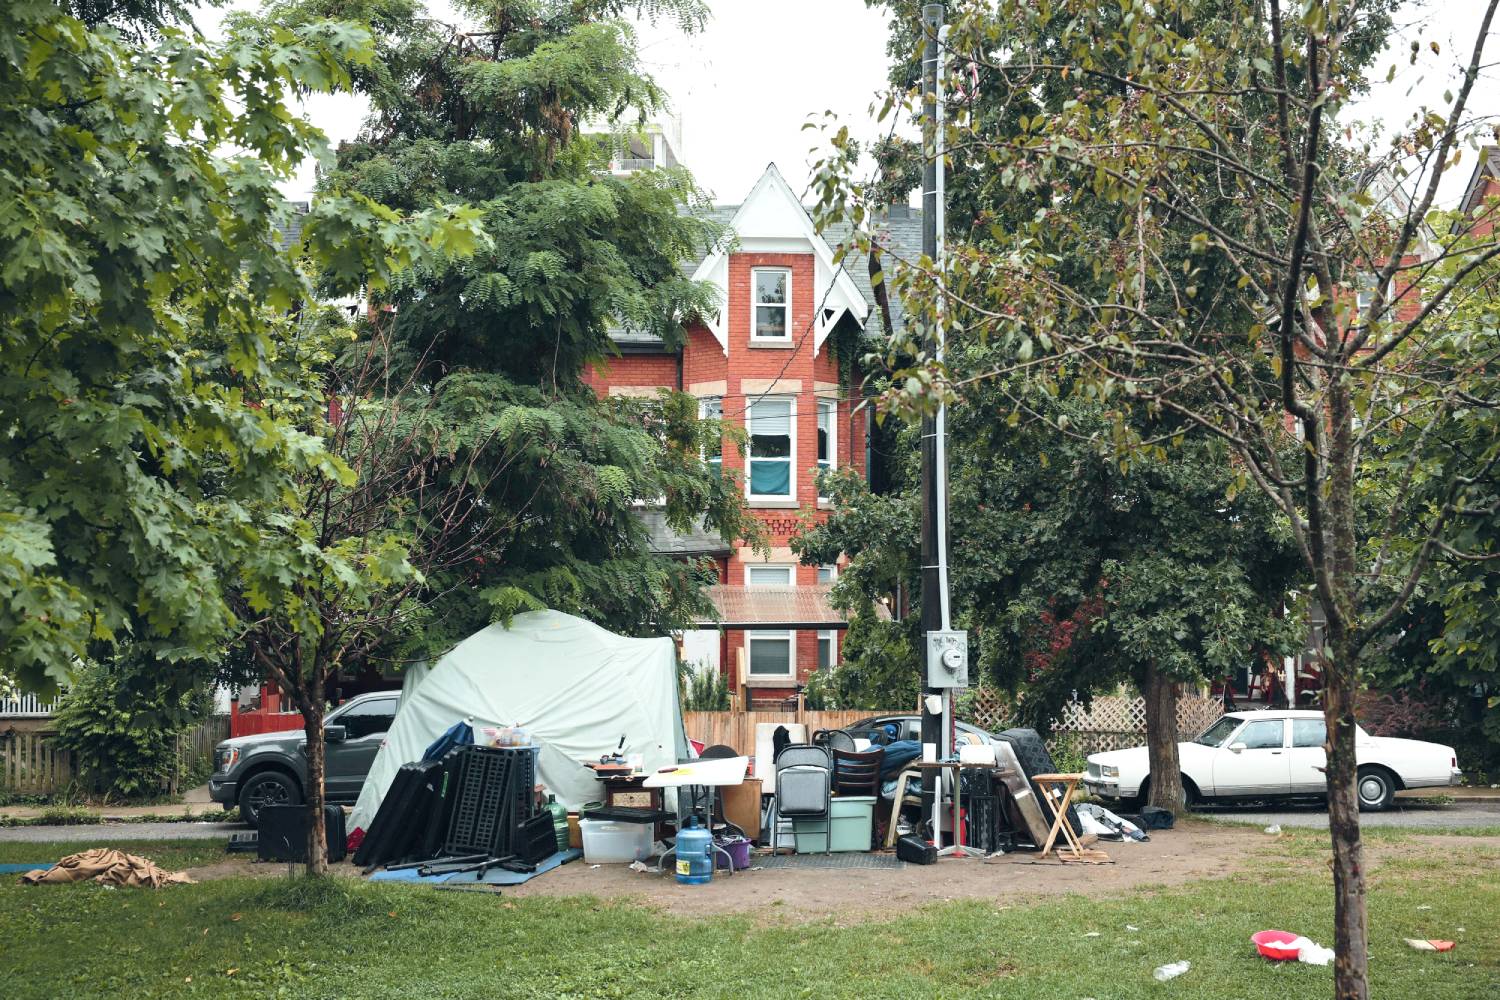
745	86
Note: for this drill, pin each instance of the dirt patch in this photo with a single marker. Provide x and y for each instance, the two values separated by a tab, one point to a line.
1172	857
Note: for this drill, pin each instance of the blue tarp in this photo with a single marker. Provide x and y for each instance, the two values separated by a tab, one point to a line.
460	734
495	876
897	756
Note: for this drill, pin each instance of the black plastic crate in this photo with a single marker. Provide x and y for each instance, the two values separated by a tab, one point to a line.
479	817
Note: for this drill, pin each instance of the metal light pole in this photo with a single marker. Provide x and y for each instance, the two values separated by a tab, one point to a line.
945	664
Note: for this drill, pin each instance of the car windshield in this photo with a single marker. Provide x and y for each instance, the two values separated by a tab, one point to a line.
1216	734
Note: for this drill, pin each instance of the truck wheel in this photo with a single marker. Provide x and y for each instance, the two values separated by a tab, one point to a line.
1376	789
267	788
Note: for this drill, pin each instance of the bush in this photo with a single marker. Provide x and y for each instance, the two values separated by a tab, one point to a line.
121	722
704	689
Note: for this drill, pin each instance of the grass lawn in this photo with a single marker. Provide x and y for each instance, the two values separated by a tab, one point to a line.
269	937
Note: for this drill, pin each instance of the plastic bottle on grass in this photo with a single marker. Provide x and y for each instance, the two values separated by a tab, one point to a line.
1165	972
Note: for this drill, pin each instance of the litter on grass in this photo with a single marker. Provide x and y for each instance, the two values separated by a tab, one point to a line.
1429	945
1274	829
1281	946
1166	972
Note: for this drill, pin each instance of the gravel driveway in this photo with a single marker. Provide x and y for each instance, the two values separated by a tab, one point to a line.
1447	817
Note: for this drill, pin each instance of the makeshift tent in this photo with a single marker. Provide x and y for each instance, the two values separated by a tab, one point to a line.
574	687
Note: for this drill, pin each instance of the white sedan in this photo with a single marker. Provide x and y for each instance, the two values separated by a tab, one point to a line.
1259	755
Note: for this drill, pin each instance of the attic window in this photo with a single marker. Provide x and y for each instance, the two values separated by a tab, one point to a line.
772	304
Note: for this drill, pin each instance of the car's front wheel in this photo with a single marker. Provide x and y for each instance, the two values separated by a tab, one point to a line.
1376	787
268	788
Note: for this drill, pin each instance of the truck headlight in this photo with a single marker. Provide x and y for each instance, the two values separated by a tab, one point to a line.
1107	771
227	758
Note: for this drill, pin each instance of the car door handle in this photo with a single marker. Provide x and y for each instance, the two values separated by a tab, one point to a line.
1276	752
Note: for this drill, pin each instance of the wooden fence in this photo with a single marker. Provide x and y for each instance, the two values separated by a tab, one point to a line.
737	729
32	764
1109	722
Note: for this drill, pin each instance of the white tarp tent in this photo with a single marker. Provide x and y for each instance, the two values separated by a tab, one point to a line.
574	687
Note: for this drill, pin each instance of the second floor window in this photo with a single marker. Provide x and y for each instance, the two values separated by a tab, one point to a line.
827	439
772	288
712	408
769	423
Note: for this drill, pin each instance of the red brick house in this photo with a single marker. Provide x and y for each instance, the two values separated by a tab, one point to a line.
766	362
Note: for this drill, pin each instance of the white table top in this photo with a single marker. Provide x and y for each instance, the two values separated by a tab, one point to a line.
713	773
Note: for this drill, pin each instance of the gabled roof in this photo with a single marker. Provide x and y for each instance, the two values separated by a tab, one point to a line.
771	216
1488	167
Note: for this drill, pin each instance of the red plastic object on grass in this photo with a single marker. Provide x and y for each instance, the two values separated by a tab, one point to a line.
1266	943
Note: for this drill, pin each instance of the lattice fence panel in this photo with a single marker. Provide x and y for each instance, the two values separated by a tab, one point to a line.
1109	722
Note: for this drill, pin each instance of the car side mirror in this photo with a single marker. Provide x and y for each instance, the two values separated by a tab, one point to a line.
335	734
1236	747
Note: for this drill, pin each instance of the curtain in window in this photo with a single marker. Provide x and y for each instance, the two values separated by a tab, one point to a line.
771	448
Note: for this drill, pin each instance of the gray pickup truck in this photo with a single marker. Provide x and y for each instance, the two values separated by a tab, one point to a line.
271	768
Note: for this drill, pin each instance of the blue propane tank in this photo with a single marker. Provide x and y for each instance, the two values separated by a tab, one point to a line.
695	857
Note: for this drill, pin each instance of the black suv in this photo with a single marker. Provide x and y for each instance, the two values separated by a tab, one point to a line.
271	768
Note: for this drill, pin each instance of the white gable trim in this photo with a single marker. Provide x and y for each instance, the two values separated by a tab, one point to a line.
772	220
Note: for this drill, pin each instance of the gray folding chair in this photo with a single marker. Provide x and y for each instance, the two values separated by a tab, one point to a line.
803	788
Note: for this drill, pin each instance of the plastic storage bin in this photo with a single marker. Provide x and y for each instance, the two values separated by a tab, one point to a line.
608	842
852	818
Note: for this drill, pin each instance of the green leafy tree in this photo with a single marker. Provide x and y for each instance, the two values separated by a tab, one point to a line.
142	290
485	477
122	720
1447	647
1226	294
488	113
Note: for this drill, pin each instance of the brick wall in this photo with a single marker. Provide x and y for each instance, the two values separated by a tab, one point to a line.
744	372
633	371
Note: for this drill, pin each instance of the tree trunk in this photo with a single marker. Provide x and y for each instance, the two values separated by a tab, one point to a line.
1350	980
1340	684
317	832
1166	790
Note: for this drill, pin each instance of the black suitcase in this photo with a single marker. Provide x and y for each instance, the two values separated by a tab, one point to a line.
283	833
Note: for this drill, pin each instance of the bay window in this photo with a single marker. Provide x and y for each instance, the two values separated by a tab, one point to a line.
771	450
827	439
712	408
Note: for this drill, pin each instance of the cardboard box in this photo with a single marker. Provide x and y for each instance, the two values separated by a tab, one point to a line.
742	806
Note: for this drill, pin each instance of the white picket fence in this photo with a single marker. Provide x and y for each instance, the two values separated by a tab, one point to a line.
27	706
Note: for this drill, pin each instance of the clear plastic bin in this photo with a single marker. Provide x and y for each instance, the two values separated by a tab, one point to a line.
610	842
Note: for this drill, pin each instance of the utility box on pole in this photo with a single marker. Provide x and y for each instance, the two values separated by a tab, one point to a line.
947	660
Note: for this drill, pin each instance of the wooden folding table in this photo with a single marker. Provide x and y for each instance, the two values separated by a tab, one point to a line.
1057	792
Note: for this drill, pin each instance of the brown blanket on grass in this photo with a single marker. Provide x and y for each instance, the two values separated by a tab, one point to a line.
107	867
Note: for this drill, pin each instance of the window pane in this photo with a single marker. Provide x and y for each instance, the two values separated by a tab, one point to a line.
770	576
771	447
771	417
825	433
1216	734
771	478
1261	735
712	408
827	574
770	287
827	643
368	719
770	321
1309	732
771	654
